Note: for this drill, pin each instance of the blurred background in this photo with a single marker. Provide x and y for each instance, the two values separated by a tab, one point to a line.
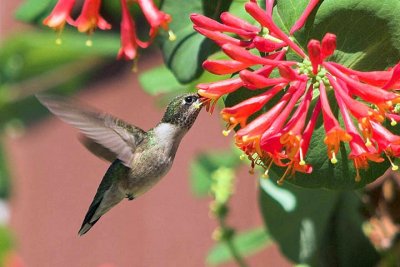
48	179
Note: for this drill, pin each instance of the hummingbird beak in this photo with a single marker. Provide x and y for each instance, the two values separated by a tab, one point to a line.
198	104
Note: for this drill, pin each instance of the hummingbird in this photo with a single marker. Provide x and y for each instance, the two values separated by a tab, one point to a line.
139	158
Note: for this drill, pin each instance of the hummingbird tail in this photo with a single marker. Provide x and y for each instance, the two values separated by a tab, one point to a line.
87	223
86	227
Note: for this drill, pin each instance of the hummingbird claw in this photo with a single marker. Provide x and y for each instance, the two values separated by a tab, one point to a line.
130	197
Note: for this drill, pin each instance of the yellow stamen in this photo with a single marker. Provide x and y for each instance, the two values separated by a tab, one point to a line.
58	41
226	132
197	105
393	122
232	120
242	157
89	43
358	177
302	162
282	179
171	35
245	138
368	142
334	159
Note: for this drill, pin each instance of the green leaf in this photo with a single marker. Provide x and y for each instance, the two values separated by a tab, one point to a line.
35	10
316	226
159	80
247	243
346	245
297	218
202	168
185	55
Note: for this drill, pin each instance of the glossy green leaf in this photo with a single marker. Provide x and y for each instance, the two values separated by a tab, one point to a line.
316	226
185	55
247	243
297	218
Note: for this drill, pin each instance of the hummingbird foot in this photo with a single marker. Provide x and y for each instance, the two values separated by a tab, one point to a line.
130	197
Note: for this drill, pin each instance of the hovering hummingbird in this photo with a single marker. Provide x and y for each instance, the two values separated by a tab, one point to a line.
140	158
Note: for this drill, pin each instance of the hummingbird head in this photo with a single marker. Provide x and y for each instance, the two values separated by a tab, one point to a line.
182	111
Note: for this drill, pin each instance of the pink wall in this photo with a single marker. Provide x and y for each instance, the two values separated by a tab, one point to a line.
55	178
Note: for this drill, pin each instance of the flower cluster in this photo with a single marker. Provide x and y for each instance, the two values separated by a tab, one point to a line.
301	92
90	19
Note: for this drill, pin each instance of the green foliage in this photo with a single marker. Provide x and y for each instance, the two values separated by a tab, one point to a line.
32	62
35	10
203	167
316	226
159	80
185	55
247	243
6	243
4	176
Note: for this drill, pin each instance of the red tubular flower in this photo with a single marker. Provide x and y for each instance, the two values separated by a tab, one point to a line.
367	92
255	80
315	54
241	54
266	20
210	24
281	136
395	79
221	67
129	41
239	113
328	46
300	22
334	133
267	46
90	18
220	38
156	18
60	14
233	21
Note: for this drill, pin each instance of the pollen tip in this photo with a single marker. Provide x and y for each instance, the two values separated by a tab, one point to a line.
302	163
334	160
368	142
395	167
226	132
58	41
242	157
171	36
89	43
393	122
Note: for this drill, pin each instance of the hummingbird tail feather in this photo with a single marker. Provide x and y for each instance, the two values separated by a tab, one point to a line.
87	223
86	227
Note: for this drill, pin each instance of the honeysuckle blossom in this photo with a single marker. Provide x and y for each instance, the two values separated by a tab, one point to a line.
302	93
90	19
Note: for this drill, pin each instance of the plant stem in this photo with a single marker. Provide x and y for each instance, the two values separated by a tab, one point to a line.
230	243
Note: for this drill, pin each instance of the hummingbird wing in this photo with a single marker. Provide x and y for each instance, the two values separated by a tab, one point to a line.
110	132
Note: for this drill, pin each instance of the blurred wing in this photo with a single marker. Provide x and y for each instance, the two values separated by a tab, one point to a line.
112	133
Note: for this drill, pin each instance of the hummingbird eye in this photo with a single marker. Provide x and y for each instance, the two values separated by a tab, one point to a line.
190	99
